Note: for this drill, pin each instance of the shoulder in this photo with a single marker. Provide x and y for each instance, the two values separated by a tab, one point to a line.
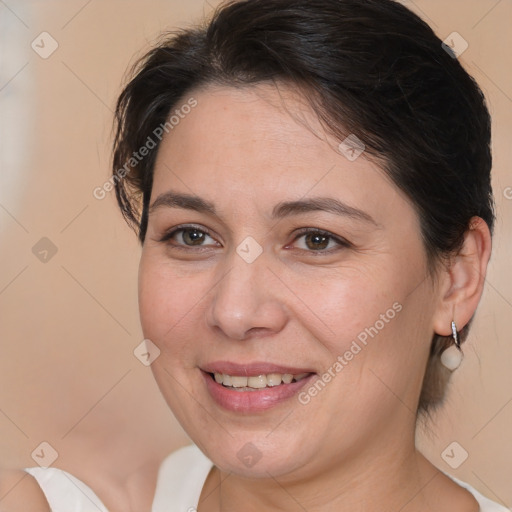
20	492
181	478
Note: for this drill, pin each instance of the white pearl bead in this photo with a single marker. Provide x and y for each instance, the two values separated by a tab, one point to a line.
451	358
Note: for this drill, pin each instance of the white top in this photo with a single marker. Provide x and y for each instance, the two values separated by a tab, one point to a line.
180	481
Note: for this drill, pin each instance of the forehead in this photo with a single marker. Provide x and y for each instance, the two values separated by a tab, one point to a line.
260	143
263	121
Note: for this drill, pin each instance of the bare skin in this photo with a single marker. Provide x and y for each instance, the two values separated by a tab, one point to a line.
351	447
432	491
21	492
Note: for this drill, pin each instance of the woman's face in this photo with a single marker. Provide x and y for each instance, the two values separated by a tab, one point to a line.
239	278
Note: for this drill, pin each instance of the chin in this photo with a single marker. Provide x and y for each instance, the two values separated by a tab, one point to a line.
254	455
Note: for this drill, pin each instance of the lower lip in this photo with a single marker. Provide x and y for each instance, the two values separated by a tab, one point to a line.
252	401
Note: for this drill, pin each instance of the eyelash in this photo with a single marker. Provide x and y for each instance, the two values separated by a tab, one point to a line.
342	243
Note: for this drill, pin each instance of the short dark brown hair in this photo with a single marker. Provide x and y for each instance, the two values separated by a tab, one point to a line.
367	67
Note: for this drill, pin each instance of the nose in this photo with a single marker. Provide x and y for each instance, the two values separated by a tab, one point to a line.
247	301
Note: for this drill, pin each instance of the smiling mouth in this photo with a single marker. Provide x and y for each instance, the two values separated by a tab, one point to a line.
256	382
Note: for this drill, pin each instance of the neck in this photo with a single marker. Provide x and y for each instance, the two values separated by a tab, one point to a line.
395	480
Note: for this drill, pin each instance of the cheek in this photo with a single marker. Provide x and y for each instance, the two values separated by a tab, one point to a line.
170	304
371	324
383	340
345	304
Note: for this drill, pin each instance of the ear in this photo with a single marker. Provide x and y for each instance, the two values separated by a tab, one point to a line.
462	282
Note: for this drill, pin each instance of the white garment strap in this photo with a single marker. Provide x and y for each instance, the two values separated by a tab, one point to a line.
64	492
180	480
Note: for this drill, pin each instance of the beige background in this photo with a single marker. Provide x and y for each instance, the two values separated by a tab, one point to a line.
68	326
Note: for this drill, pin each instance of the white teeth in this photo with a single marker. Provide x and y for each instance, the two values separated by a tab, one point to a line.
257	381
239	382
273	379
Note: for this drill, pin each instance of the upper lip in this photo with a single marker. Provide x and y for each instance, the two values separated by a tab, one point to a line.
252	369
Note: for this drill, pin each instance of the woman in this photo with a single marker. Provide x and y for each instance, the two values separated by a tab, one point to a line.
310	182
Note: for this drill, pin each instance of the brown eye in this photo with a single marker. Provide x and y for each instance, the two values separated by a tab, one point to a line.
192	236
316	241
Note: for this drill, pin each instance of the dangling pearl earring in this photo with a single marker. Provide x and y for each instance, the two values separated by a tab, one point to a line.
452	356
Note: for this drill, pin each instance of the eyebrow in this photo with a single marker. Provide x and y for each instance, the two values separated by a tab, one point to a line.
283	209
